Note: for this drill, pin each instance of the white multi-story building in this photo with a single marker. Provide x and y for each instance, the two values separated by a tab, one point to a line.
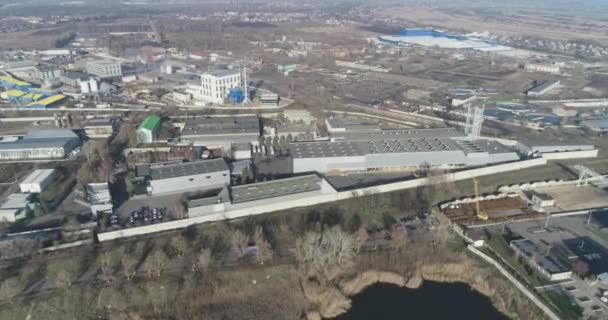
104	69
216	85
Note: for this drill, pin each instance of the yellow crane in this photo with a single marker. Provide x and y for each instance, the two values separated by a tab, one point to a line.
480	214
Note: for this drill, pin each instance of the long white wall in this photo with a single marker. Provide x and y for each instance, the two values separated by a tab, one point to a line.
299	201
571	154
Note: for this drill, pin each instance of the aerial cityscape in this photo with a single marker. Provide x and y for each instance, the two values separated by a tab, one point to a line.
338	160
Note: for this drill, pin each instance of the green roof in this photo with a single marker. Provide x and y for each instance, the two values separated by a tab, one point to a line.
151	123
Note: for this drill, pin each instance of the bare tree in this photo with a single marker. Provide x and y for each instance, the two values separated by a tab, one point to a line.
107	268
63	280
441	232
179	245
203	260
399	238
129	265
178	211
321	251
239	241
264	249
9	289
361	236
159	261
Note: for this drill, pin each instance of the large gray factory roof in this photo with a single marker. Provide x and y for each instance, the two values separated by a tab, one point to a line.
397	134
168	170
39	139
362	148
222	126
273	189
489	146
354	124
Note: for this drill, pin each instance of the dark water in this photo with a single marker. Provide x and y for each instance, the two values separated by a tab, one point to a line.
432	301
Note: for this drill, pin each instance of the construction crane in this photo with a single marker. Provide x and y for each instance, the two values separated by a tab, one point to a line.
481	215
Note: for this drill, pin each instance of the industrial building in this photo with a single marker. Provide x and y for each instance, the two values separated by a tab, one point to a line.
148	129
395	134
257	194
346	124
434	38
73	78
241	150
542	88
104	69
37	181
178	176
39	144
547	68
216	85
48	72
540	147
15	207
396	155
221	132
9	82
596	125
551	262
101	127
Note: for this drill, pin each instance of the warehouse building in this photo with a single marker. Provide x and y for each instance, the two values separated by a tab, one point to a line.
542	88
101	127
11	83
396	134
104	69
37	181
15	207
540	147
596	125
73	78
396	155
221	132
39	144
148	129
552	263
178	176
344	125
547	68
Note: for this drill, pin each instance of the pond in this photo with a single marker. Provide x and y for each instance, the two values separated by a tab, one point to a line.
432	300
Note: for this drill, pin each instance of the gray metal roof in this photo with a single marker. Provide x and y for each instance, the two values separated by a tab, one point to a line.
76	75
598	124
554	262
222	126
223	73
208	197
397	134
50	133
544	85
40	143
489	146
171	170
354	124
273	189
362	148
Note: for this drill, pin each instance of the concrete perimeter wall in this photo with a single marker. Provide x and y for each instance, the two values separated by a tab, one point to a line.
271	206
571	154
